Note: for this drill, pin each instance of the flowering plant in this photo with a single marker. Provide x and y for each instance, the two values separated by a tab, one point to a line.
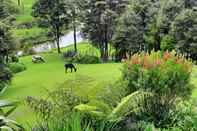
166	73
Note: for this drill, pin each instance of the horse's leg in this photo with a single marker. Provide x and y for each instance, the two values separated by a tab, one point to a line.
65	70
71	69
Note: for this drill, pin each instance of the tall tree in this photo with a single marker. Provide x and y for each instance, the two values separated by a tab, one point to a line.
184	29
54	14
75	9
132	27
144	9
128	36
190	3
99	20
19	2
160	26
7	44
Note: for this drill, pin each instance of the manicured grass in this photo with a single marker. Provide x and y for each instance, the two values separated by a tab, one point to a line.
33	33
25	13
38	79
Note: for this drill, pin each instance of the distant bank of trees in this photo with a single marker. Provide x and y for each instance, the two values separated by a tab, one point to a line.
129	25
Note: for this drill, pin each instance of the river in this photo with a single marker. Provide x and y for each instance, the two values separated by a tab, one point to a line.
65	40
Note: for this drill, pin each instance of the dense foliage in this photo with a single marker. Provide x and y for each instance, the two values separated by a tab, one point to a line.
163	24
53	15
150	95
99	21
82	58
7	46
166	77
17	67
184	31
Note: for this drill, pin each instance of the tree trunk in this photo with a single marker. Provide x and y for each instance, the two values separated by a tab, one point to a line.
102	51
19	2
75	36
58	46
7	58
106	52
158	43
58	39
106	44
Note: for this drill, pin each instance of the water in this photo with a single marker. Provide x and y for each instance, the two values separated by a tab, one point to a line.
65	40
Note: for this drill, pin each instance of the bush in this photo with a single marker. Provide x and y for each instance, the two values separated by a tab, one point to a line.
84	59
15	58
166	77
113	93
17	67
5	77
69	54
166	73
87	59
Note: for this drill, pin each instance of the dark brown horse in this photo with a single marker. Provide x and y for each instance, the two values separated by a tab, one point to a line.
70	66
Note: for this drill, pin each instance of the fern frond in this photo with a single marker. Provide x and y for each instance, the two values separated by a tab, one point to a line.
129	104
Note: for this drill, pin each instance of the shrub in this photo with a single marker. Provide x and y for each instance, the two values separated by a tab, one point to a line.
14	58
166	73
113	93
84	59
17	67
69	54
185	116
87	59
166	77
73	122
5	77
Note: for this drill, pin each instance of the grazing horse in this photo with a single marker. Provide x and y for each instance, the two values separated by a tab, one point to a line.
71	66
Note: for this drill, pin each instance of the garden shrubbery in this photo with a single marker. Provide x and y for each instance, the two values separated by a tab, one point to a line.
87	59
82	58
166	78
5	77
17	67
167	73
151	95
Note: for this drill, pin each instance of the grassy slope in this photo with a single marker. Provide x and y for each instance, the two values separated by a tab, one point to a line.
25	17
38	78
26	9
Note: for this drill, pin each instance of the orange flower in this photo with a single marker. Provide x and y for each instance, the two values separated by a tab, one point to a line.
158	62
135	60
166	55
146	63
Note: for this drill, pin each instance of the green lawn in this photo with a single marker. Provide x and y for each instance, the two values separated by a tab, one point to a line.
25	12
27	34
39	78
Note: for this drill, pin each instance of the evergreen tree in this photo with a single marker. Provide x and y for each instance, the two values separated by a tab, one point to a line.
75	9
99	21
128	36
184	29
160	25
52	13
